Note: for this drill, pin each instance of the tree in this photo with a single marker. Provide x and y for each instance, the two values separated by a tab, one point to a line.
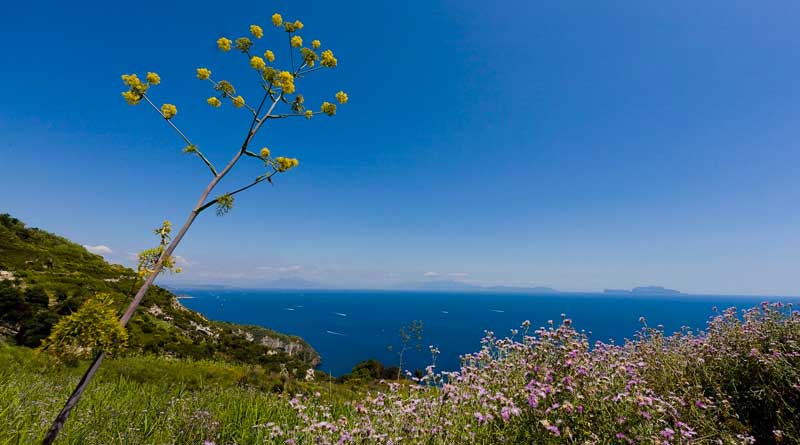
36	295
278	88
13	307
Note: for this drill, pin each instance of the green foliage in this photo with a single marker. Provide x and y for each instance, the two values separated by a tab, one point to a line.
370	371
148	258
92	328
152	400
13	306
54	277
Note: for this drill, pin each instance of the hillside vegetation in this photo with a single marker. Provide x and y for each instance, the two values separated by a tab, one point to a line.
44	277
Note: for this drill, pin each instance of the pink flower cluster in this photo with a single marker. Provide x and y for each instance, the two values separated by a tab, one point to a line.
550	385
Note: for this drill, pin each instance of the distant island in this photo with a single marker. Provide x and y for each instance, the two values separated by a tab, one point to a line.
645	290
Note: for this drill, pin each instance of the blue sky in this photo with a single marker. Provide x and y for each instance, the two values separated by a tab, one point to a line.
567	144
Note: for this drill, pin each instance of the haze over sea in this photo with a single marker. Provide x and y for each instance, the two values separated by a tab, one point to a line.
346	327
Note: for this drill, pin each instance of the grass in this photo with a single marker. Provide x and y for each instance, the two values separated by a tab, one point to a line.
737	382
151	400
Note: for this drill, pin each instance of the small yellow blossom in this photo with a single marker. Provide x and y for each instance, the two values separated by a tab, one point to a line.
328	60
328	108
137	86
286	163
257	63
243	44
286	82
297	41
309	113
341	96
169	111
316	44
131	98
256	31
153	78
298	24
203	73
238	101
269	55
214	102
265	152
277	20
224	44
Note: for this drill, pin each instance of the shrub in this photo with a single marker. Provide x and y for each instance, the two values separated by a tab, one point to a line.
92	328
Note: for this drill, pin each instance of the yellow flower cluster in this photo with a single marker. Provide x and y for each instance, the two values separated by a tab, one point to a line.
316	44
308	114
131	98
257	63
169	111
226	87
203	73
309	56
328	108
341	96
224	44
256	31
265	152
153	78
132	80
214	102
243	44
297	41
292	27
136	90
238	101
277	20
286	82
328	60
269	55
286	163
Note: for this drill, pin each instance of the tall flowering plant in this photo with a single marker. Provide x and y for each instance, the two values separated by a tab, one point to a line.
278	99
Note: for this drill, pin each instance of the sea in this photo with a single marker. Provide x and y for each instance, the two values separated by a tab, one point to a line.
347	327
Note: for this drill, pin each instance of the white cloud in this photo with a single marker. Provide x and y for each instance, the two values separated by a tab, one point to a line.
99	249
431	274
182	261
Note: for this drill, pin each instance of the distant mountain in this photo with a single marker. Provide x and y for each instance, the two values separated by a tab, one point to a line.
438	285
645	290
293	283
450	285
522	289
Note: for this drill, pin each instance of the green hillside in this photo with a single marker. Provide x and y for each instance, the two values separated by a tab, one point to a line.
44	277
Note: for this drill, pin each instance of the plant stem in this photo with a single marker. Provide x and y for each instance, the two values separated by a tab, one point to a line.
59	421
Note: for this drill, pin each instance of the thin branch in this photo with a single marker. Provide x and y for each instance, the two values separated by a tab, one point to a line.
310	70
291	51
299	68
261	178
282	116
183	136
246	105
